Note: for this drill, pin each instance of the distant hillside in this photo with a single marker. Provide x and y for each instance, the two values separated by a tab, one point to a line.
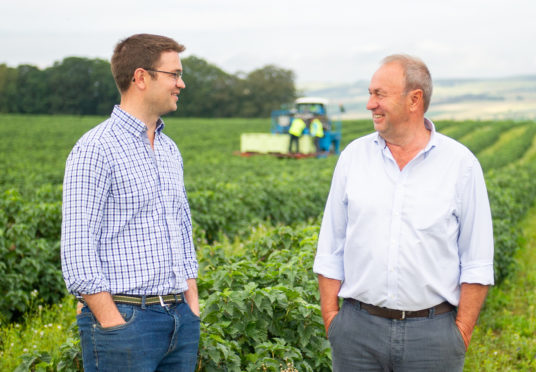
484	99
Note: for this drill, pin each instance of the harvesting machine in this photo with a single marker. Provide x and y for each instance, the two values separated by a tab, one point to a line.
277	142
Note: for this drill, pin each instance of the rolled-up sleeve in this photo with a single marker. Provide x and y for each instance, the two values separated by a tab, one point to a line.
475	241
189	255
329	260
85	188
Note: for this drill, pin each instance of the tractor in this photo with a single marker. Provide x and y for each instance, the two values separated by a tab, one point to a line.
277	142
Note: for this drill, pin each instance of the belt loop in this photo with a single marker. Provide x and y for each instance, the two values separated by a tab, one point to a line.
431	312
175	297
143	298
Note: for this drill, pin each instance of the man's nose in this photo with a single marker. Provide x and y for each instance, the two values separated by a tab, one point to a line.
371	104
180	83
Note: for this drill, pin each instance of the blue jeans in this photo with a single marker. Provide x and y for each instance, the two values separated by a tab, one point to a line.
154	338
364	342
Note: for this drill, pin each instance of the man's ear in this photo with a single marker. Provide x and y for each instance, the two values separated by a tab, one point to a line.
140	77
416	99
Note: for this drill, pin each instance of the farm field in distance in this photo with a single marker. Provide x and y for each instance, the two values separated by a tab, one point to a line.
256	222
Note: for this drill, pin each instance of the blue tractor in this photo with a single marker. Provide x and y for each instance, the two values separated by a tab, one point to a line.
277	142
311	107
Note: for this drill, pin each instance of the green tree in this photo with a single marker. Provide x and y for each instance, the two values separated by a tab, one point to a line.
8	88
31	90
210	91
86	87
81	86
265	89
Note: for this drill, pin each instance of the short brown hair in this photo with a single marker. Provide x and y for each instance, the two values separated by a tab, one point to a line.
416	73
141	50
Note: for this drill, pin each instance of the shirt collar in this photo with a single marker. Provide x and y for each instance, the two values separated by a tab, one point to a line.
431	143
132	124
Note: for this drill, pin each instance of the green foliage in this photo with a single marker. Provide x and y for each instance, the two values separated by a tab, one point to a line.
46	340
266	89
272	290
29	251
484	136
85	86
255	220
511	191
504	337
511	149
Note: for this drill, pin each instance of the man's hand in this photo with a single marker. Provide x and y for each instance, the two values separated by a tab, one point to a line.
466	333
329	299
472	298
192	297
328	318
104	309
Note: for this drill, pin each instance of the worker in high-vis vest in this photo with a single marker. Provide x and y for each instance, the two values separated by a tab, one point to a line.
296	130
317	131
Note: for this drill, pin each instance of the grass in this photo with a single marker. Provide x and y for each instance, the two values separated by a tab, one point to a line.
45	330
505	338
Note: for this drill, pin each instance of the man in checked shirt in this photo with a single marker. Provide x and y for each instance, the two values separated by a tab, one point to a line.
126	245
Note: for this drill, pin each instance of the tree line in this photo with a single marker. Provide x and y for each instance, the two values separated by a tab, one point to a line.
83	86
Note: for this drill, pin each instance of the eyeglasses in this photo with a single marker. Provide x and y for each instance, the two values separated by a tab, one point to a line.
177	75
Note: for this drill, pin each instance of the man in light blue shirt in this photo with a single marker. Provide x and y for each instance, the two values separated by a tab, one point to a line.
406	236
126	246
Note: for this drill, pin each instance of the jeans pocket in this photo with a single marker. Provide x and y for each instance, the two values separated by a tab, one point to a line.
128	312
197	317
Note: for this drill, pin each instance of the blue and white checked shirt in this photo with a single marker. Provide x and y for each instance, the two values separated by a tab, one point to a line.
126	221
406	239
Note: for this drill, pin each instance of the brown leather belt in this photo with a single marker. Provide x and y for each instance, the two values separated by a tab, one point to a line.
384	312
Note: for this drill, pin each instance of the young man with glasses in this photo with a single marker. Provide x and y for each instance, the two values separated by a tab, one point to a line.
127	249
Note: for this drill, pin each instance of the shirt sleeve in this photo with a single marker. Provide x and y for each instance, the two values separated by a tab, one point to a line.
86	186
329	260
189	255
475	240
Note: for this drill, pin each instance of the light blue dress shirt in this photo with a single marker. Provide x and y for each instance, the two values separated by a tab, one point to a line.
406	239
126	221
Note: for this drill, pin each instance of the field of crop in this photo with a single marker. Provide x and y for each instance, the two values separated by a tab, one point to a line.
256	222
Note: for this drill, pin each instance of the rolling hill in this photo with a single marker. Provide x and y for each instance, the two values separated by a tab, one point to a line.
458	99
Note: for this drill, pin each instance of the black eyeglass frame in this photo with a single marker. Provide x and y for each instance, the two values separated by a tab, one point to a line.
177	75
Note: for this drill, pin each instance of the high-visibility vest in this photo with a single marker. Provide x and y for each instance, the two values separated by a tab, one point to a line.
297	127
316	128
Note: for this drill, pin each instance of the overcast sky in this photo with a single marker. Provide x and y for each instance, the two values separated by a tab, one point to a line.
334	41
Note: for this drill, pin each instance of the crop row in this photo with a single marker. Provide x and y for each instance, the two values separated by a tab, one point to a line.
228	194
259	299
259	296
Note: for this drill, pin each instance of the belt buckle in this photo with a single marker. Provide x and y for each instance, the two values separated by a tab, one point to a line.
161	301
403	315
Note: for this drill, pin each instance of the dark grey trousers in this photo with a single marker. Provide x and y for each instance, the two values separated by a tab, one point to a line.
364	342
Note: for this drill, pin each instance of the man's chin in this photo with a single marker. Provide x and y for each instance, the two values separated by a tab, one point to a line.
170	109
